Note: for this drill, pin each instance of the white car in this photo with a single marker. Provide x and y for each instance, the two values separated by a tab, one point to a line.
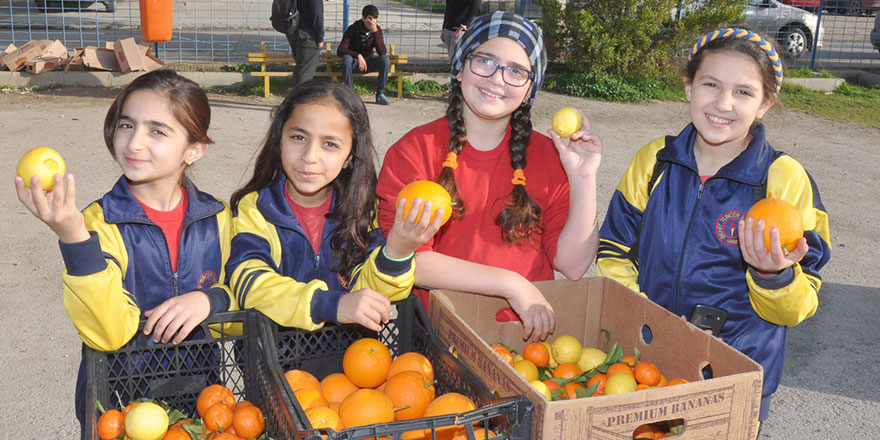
794	29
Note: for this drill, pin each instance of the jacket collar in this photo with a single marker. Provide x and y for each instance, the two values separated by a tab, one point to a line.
272	203
121	206
749	167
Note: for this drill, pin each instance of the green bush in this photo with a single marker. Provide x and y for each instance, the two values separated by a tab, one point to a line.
612	88
631	37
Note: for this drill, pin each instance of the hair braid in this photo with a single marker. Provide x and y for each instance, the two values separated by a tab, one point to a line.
457	141
521	217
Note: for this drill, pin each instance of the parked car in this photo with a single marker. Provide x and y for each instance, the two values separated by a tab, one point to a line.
852	7
875	33
71	5
796	30
809	5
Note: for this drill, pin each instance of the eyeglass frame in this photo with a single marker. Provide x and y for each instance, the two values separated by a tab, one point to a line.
471	56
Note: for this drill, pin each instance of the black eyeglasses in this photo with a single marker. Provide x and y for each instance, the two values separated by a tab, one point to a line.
486	67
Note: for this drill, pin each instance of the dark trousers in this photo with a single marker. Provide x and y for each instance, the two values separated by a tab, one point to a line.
379	64
305	51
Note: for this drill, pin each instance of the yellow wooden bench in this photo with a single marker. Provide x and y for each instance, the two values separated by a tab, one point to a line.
327	58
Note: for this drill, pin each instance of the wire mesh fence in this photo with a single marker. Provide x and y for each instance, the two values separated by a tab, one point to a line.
818	34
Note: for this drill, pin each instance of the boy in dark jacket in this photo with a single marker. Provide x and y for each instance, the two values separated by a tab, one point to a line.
363	50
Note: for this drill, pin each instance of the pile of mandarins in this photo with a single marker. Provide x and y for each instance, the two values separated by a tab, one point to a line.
375	388
220	417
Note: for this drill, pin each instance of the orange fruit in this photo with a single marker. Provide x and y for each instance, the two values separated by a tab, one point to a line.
41	161
641	386
111	424
571	390
365	407
537	353
336	387
567	371
322	417
647	373
299	379
601	378
449	403
218	417
645	432
619	367
676	381
309	398
366	362
782	215
224	436
629	360
479	434
427	191
248	421
128	408
553	386
412	390
663	381
214	394
335	406
502	351
175	432
412	361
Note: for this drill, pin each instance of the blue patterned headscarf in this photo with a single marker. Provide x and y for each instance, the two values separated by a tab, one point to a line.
509	25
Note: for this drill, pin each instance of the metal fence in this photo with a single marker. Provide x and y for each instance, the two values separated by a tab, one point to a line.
224	31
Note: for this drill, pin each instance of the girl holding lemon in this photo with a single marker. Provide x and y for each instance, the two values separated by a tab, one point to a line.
524	204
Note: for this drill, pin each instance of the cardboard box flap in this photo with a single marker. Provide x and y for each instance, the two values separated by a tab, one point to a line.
99	59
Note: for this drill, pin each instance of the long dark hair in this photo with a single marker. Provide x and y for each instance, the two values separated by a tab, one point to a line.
521	216
354	189
187	101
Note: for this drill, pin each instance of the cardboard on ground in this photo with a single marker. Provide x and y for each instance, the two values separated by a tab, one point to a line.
725	407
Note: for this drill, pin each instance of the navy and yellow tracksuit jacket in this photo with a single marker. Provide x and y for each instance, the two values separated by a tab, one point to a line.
688	252
124	268
274	268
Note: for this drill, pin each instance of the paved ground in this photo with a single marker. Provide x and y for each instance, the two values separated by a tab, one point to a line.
829	389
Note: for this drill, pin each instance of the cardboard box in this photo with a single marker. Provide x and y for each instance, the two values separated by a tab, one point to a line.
41	65
9	49
29	52
128	55
55	50
100	59
75	63
725	407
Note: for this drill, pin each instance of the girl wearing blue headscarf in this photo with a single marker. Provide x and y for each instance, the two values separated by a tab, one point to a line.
503	234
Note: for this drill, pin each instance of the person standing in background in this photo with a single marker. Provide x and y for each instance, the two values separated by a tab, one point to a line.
456	18
363	50
307	39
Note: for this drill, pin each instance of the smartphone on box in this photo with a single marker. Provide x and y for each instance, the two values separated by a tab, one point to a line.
707	317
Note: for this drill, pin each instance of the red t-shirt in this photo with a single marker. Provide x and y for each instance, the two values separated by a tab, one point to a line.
483	180
311	218
171	223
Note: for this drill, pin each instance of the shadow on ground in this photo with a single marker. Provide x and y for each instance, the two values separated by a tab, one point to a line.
836	351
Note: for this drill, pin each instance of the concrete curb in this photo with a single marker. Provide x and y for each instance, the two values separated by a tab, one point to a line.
821	84
116	79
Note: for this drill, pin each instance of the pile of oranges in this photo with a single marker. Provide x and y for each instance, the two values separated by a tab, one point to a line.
374	388
220	417
565	370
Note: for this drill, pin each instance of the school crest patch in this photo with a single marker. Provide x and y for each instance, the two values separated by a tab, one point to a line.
727	227
208	279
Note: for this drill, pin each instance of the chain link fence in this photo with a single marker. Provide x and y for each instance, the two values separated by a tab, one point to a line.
819	34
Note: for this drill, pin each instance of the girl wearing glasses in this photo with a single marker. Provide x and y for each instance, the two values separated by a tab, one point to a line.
524	204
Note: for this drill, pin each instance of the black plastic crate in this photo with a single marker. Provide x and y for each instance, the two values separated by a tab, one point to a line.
320	353
233	354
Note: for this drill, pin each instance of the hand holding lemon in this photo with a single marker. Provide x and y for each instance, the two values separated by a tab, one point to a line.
43	162
567	121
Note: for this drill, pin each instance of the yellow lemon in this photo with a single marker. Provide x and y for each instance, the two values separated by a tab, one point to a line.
620	383
526	369
553	362
146	421
590	358
517	358
541	387
42	161
566	349
566	121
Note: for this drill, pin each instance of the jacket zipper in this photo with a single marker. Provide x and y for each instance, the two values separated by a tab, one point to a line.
684	249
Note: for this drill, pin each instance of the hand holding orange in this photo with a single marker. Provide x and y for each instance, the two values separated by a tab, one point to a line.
429	192
782	215
43	162
567	121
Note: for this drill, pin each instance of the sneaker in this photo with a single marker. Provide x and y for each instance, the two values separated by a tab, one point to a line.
381	99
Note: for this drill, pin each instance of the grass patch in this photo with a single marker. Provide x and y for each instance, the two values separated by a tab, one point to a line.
805	72
846	103
612	88
426	5
363	86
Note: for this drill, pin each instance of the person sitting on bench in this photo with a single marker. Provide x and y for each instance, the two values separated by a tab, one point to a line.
363	50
